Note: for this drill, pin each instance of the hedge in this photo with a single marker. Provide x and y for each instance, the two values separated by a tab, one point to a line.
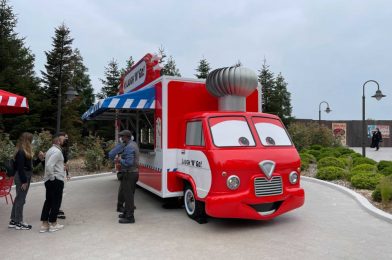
330	161
386	171
330	173
307	157
363	160
384	164
366	180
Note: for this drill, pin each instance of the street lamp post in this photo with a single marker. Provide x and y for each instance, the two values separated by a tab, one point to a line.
327	110
377	96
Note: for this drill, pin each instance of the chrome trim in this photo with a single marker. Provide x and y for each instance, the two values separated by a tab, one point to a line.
264	187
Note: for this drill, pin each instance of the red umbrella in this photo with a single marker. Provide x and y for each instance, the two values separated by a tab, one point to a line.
12	104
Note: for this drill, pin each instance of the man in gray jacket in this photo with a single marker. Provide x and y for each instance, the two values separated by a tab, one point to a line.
54	184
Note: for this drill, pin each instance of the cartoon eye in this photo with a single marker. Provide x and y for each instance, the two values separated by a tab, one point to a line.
243	141
270	140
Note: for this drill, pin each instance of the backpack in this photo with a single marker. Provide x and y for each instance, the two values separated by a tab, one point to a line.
10	168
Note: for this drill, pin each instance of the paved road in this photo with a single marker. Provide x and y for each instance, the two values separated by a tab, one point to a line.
329	226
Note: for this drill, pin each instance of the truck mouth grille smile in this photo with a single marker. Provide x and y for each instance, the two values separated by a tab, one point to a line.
266	209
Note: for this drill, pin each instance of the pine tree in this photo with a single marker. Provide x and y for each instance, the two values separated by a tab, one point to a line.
170	68
129	64
17	75
58	75
111	81
203	69
266	79
282	98
275	97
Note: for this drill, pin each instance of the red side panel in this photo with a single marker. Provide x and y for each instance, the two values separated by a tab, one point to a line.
183	98
252	102
150	177
174	183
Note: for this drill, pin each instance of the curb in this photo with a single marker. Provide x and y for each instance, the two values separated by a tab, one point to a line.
76	178
362	201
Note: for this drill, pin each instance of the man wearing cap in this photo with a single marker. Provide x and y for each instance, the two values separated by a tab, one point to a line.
126	153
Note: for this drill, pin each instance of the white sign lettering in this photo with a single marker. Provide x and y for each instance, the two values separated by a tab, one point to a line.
135	77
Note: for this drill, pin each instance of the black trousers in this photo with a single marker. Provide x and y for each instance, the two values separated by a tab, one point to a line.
126	192
54	196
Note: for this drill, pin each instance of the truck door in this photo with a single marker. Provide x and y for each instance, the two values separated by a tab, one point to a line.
193	159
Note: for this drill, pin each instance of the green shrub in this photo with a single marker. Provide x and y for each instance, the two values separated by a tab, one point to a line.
94	159
386	171
366	180
316	147
386	189
361	168
344	150
42	141
363	160
383	191
330	161
304	165
330	173
327	153
356	155
346	161
315	153
376	194
7	148
307	157
383	164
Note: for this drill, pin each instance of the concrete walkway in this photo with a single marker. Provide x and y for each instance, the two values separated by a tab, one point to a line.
330	225
384	153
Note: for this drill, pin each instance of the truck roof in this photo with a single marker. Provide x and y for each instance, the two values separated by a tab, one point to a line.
229	113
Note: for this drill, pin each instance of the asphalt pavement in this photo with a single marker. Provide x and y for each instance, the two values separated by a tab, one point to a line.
330	225
384	153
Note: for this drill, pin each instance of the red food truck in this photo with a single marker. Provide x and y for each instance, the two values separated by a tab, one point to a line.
207	142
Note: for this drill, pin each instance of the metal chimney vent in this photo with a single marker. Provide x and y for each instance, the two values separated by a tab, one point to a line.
232	85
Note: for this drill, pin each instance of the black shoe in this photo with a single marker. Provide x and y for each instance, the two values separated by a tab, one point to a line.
128	220
122	215
61	214
22	226
120	209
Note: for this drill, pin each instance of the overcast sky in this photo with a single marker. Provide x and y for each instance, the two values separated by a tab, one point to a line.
326	50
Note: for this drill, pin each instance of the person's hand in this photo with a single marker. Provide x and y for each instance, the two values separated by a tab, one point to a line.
68	177
24	186
41	156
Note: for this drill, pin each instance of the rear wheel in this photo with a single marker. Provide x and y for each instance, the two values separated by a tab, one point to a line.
193	207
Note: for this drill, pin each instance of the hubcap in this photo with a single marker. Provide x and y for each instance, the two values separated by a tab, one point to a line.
189	202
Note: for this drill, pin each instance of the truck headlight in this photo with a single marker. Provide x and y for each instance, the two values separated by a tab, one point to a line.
233	182
293	177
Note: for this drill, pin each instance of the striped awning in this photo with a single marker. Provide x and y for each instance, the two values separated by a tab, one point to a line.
11	103
140	99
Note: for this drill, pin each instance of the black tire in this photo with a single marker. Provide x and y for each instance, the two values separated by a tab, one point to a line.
195	209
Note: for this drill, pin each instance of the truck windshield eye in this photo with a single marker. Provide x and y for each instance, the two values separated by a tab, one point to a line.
243	141
270	140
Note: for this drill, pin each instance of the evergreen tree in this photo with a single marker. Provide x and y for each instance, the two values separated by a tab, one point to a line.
111	81
170	68
72	111
266	79
17	75
275	97
282	99
58	75
129	64
203	69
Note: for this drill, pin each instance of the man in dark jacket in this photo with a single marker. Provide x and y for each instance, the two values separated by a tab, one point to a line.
376	139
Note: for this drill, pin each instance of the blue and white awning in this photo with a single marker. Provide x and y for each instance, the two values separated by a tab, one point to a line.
140	99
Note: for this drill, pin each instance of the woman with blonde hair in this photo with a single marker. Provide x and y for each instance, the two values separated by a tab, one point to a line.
23	157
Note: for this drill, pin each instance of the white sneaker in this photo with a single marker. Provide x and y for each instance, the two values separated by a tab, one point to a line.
44	229
56	227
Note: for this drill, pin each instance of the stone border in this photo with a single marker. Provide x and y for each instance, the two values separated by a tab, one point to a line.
362	201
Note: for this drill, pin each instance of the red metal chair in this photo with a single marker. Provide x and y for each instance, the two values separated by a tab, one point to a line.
5	186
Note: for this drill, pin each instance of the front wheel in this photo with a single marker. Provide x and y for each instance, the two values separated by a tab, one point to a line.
194	208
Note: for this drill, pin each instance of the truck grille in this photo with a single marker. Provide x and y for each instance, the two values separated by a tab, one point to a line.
263	187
